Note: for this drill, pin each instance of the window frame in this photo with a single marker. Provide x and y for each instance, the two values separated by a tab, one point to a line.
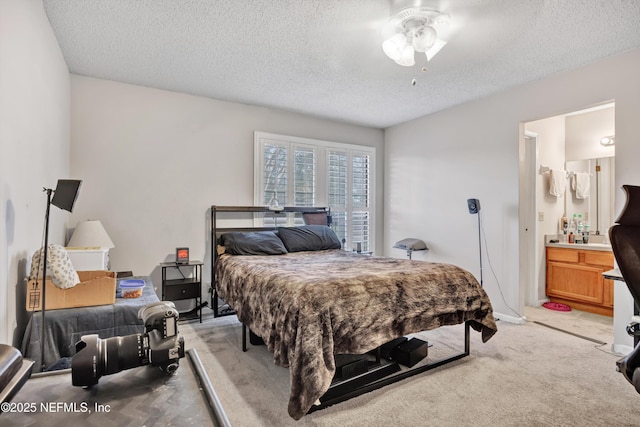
322	149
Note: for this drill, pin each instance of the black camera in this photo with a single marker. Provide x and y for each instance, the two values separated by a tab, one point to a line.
160	345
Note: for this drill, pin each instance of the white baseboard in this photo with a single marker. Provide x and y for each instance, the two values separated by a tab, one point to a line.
510	319
621	349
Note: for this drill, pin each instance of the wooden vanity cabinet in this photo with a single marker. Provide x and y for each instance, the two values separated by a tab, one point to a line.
574	277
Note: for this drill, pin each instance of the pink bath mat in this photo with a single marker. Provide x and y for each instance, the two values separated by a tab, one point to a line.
556	306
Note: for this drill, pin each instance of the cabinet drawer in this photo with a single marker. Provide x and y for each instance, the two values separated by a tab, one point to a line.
565	255
602	258
182	291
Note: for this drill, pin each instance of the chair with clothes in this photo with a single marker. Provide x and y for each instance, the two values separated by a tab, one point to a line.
625	242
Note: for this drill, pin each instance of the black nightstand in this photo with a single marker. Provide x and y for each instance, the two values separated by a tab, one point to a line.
187	286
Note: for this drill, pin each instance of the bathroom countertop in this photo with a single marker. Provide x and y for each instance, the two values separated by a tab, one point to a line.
613	274
582	246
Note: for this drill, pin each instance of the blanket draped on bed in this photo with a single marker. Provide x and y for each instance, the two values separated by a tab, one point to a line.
309	305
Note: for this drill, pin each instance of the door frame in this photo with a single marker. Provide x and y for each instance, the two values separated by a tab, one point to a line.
529	257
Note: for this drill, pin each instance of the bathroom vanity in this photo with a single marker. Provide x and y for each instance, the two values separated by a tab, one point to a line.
574	276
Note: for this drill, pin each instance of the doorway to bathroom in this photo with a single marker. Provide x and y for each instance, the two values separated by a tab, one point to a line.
572	143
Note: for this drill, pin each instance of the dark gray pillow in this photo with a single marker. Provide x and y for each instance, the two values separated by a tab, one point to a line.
309	238
253	243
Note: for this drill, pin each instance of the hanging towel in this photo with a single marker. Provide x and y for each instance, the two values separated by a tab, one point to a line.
558	182
580	183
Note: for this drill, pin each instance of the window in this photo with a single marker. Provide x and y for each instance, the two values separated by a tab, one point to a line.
304	172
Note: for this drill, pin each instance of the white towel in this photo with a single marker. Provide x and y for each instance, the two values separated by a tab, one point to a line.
580	184
558	182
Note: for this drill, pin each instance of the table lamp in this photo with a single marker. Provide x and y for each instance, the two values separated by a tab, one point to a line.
89	234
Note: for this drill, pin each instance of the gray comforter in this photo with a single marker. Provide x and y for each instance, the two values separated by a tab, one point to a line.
309	305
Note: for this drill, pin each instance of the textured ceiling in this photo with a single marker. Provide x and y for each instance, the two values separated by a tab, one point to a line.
324	57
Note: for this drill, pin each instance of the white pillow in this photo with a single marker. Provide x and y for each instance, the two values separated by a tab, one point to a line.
59	267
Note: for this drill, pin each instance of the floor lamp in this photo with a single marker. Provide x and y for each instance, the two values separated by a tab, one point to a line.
64	197
474	208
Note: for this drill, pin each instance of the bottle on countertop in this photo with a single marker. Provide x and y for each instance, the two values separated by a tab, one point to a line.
571	228
564	224
578	233
579	224
577	238
571	237
586	230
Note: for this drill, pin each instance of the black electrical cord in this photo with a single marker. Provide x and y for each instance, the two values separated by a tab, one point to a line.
494	273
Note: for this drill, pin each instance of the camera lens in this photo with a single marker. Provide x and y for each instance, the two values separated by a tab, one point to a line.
122	353
159	346
96	357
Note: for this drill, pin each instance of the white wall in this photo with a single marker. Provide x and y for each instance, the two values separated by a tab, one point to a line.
584	132
434	163
551	153
154	161
34	147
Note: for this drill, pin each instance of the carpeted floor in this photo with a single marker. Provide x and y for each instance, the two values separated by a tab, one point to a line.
526	375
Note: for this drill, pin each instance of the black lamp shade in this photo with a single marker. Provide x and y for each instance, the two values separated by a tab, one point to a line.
66	193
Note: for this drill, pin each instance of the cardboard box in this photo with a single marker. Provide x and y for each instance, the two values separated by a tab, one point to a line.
97	287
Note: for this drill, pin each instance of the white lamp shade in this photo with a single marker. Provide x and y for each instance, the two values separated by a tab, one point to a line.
431	52
90	233
424	38
394	46
407	59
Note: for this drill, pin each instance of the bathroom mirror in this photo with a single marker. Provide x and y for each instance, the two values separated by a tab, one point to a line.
598	208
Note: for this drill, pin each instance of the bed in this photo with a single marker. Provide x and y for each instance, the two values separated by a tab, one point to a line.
312	303
65	327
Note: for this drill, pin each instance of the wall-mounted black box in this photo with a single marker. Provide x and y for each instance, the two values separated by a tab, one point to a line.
410	352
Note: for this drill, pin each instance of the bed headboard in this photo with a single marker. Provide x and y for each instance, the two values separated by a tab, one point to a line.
246	212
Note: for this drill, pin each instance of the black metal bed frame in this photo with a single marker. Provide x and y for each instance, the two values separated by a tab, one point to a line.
216	231
379	376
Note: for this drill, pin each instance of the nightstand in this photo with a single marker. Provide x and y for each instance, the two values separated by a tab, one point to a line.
187	286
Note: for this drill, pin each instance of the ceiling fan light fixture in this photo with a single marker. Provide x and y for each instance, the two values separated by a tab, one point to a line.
424	38
414	29
394	46
408	58
433	50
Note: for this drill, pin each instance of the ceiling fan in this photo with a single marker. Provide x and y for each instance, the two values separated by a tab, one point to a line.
414	29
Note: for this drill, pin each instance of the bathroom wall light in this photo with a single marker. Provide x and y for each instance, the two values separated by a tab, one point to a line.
608	140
